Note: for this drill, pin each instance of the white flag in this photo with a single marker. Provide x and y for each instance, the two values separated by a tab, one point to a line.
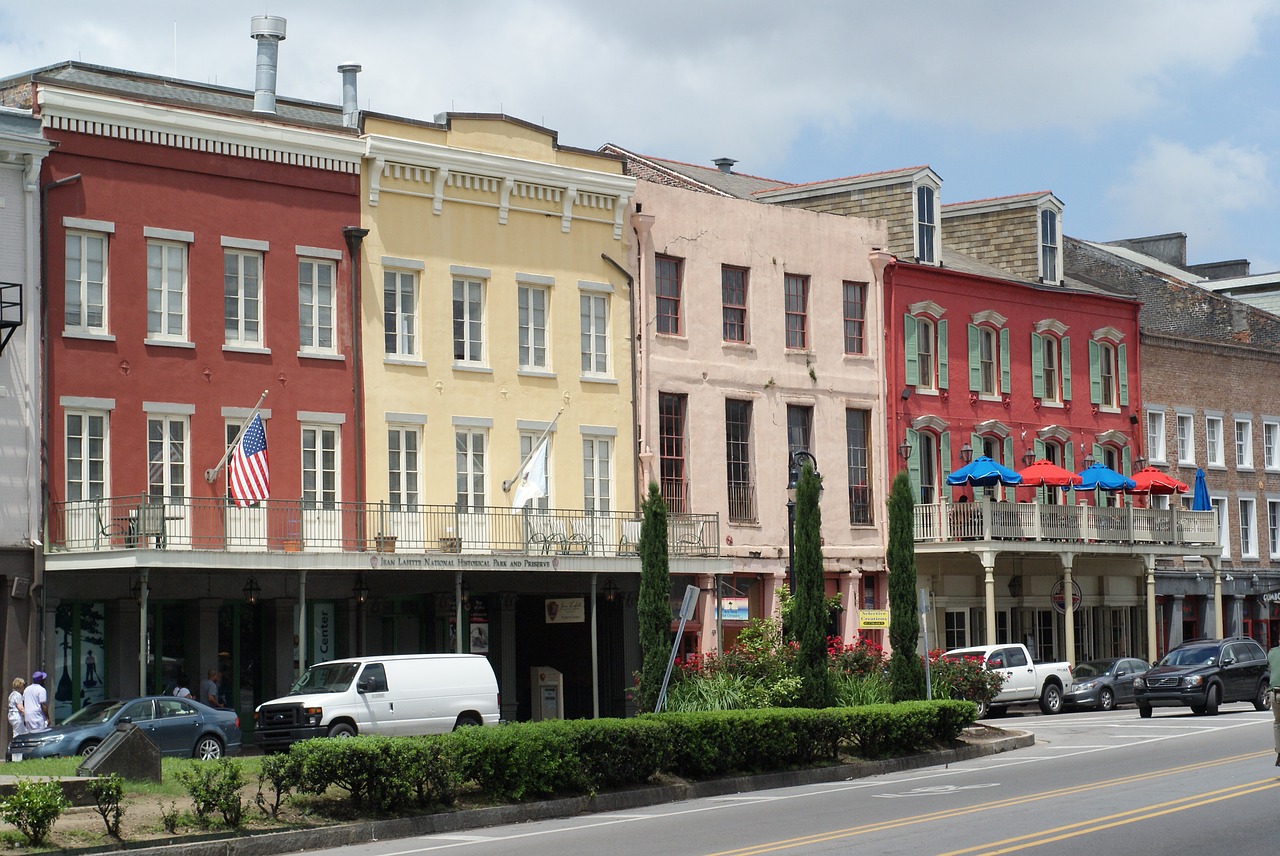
533	484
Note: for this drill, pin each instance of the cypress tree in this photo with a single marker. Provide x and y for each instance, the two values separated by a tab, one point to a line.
808	613
906	674
654	605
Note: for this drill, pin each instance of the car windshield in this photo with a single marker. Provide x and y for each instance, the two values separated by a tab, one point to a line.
1194	655
1092	669
325	678
92	714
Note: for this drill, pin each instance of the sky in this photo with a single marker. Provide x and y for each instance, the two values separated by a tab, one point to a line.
1142	116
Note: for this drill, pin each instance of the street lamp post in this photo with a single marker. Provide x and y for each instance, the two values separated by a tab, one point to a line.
795	465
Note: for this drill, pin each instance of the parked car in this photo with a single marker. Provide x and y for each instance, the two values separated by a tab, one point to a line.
1103	684
393	695
1204	673
179	727
1022	680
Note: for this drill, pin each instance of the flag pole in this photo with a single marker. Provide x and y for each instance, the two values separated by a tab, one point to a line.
506	485
210	475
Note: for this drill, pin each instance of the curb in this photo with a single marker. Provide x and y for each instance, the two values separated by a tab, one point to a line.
270	843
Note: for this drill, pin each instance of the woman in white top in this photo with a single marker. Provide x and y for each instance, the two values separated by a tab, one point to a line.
16	709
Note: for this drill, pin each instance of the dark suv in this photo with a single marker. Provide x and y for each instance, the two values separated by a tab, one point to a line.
1204	673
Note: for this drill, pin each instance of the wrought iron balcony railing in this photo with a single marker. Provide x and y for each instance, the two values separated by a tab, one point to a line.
187	523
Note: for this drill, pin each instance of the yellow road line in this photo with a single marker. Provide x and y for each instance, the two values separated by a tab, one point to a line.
945	814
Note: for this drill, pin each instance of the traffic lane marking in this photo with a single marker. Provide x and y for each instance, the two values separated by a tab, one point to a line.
1111	821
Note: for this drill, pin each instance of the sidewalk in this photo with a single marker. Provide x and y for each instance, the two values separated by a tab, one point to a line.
979	741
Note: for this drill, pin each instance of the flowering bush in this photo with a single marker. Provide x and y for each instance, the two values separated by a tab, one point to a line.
962	679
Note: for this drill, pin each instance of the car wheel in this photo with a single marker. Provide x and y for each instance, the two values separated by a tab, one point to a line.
984	709
207	748
1051	699
1211	700
1144	711
467	720
1197	709
88	747
342	730
1262	701
1106	699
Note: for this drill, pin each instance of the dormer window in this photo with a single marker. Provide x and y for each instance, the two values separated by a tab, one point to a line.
1049	245
926	224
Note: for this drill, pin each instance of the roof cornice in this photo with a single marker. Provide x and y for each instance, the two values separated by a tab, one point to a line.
258	138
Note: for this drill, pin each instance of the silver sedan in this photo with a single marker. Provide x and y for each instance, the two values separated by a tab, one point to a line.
1103	684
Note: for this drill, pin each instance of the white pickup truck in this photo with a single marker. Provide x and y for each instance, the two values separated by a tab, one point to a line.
1023	680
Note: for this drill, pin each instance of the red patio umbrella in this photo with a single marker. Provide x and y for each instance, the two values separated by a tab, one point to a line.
1152	480
1044	473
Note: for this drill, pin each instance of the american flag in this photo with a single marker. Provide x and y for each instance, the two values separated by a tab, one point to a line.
249	477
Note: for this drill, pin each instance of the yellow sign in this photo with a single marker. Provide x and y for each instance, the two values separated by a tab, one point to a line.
873	618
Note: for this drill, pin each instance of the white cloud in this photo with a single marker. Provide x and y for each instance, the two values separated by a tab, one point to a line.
1174	188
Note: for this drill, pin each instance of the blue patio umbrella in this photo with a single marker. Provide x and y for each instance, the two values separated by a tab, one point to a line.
984	472
1102	477
1200	494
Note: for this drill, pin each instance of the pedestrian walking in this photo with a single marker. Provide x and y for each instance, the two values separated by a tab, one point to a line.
1273	662
35	704
209	689
181	690
16	724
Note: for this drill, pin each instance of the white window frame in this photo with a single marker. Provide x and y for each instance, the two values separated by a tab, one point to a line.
168	487
404	466
533	343
1051	352
1155	437
1108	384
1219	504
316	316
1213	442
1270	445
85	484
1248	509
927	357
989	370
399	322
1186	438
234	288
1050	245
926	222
594	333
471	446
469	320
166	293
321	482
1244	444
1273	527
83	285
597	471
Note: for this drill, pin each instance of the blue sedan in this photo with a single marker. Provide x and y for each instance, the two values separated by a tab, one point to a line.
179	727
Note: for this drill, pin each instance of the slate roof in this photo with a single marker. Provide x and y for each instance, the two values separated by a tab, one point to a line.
178	93
701	179
1171	305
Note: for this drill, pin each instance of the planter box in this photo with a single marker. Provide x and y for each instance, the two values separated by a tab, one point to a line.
451	545
385	543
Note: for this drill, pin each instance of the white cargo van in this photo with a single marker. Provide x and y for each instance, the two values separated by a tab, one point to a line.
392	696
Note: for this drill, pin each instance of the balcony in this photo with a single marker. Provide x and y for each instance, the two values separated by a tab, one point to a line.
942	523
287	526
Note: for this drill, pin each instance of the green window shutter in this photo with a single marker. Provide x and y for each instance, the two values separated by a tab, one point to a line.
1008	452
1128	461
1097	459
975	367
1095	374
1122	369
1005	386
944	455
975	441
1037	366
1065	359
942	353
1069	456
909	351
1042	492
913	463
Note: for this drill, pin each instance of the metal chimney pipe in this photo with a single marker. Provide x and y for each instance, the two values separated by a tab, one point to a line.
268	32
350	104
725	164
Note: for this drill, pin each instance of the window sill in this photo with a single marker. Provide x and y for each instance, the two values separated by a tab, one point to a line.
611	381
1220	467
88	336
322	355
1053	405
743	347
169	343
856	358
535	373
925	390
1244	468
800	352
468	367
680	337
404	361
245	349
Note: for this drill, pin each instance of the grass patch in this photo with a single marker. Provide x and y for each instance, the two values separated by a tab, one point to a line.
168	786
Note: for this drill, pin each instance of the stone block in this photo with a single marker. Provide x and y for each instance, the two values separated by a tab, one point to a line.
128	751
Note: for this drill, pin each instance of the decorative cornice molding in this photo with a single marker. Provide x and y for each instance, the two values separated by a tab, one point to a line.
1110	333
1051	325
930	422
992	426
926	307
1054	432
990	316
155	124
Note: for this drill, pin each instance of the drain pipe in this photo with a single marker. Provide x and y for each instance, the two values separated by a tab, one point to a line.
635	407
355	236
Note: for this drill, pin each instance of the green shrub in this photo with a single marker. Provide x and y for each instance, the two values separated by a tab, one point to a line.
214	786
34	808
853	689
284	773
520	760
108	793
428	773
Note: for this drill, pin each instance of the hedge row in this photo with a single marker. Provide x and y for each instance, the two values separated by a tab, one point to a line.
574	757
